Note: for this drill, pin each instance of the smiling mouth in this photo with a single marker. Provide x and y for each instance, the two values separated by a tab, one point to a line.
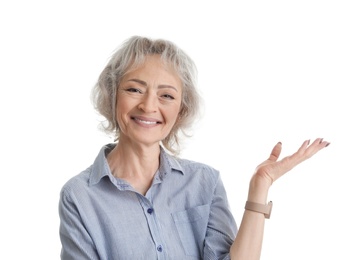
146	121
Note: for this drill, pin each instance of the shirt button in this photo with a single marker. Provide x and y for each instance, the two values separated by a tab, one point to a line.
159	248
150	210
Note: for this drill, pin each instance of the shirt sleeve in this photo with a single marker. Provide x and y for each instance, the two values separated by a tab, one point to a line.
221	229
76	241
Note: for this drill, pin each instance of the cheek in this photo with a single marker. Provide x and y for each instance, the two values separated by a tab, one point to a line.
174	113
121	110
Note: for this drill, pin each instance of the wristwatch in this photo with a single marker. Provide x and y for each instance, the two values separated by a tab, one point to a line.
261	208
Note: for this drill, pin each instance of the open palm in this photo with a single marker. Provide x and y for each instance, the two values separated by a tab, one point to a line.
272	168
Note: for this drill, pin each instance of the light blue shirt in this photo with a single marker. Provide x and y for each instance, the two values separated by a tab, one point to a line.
184	214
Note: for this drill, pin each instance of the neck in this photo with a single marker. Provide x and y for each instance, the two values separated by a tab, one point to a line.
137	164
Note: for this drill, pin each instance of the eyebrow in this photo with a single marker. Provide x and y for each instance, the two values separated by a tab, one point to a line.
159	86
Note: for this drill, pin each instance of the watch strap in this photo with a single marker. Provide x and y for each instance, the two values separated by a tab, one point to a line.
260	208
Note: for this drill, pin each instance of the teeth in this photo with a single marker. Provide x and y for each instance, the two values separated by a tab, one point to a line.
146	122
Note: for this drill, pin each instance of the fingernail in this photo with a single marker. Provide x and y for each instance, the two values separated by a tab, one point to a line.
321	140
279	143
327	144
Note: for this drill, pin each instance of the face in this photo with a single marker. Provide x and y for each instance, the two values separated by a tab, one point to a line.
148	102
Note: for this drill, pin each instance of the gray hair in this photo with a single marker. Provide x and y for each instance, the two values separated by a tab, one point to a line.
129	56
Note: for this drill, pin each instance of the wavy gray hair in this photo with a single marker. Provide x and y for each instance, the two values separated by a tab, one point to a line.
129	56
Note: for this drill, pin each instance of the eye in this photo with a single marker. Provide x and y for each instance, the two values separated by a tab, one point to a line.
168	96
133	90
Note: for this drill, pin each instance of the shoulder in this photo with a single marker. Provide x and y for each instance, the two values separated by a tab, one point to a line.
190	167
90	176
200	179
186	163
77	183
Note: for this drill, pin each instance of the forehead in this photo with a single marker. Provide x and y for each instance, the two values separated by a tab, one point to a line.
154	66
153	61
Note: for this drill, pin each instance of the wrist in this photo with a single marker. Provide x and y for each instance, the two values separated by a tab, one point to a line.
258	190
259	208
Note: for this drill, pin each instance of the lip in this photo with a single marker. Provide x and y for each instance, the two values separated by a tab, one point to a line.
146	121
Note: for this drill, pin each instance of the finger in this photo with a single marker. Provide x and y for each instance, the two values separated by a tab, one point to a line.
306	151
320	142
299	156
289	162
316	146
304	146
275	153
323	143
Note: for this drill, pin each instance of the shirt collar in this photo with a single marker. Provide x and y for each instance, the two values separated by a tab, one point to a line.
100	167
169	164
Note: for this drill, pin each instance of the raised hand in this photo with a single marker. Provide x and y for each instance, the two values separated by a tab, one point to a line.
272	169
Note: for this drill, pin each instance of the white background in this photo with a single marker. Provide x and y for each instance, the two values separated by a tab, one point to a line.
269	71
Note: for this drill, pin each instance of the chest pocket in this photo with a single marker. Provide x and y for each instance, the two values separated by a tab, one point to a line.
191	225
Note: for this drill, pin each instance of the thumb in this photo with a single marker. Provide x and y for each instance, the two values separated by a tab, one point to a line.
275	153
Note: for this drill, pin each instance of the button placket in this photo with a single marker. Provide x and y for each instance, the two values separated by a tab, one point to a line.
152	222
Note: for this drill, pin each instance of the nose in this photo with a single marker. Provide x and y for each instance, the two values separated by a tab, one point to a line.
149	103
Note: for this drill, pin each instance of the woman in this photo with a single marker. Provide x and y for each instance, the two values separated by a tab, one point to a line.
138	200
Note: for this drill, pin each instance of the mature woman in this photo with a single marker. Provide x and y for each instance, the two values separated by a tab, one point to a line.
138	200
